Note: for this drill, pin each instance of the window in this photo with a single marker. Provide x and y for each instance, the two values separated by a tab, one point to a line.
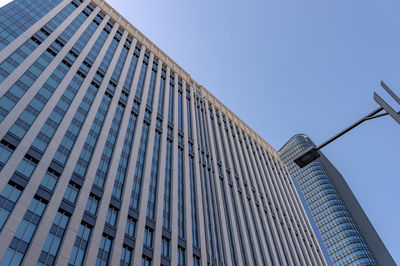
151	202
49	128
80	245
148	237
165	247
126	256
112	216
195	233
91	139
22	22
131	70
104	251
92	204
146	261
71	193
26	167
181	202
139	88
123	161
8	198
180	109
160	110
196	261
137	180
102	169
49	180
181	256
69	138
171	99
152	85
189	119
130	227
54	238
167	186
24	234
5	153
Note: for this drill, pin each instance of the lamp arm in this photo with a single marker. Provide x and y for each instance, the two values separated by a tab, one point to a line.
370	116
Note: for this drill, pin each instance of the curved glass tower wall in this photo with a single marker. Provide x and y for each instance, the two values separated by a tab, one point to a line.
345	229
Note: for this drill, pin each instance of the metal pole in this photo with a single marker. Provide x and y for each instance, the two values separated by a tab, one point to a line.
367	117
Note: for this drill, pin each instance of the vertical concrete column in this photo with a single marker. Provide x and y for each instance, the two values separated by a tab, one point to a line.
210	183
287	208
97	231
276	190
256	190
235	234
35	87
21	69
41	168
141	223
207	193
113	164
276	229
38	241
271	194
103	208
19	210
97	152
233	159
187	197
75	224
217	187
273	237
263	217
199	195
174	181
248	203
121	223
161	178
130	171
262	176
21	39
42	117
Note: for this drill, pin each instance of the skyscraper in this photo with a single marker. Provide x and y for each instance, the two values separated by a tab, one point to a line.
110	153
345	229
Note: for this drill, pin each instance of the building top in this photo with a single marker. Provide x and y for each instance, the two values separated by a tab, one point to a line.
199	89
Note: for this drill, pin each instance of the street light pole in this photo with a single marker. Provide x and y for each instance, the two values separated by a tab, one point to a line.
310	154
365	118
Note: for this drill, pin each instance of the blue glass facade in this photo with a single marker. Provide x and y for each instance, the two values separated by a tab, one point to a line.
341	235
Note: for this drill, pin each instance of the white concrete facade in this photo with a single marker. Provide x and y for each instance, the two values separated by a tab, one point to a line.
248	210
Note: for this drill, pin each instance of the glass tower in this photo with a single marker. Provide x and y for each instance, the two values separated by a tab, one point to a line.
110	153
345	229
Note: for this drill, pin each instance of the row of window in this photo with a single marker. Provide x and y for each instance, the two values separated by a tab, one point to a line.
30	76
72	191
51	177
249	166
18	16
207	175
16	58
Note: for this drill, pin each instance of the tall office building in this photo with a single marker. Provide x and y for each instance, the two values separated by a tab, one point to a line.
345	229
110	153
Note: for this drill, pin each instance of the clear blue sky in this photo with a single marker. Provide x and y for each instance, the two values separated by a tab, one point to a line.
288	67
